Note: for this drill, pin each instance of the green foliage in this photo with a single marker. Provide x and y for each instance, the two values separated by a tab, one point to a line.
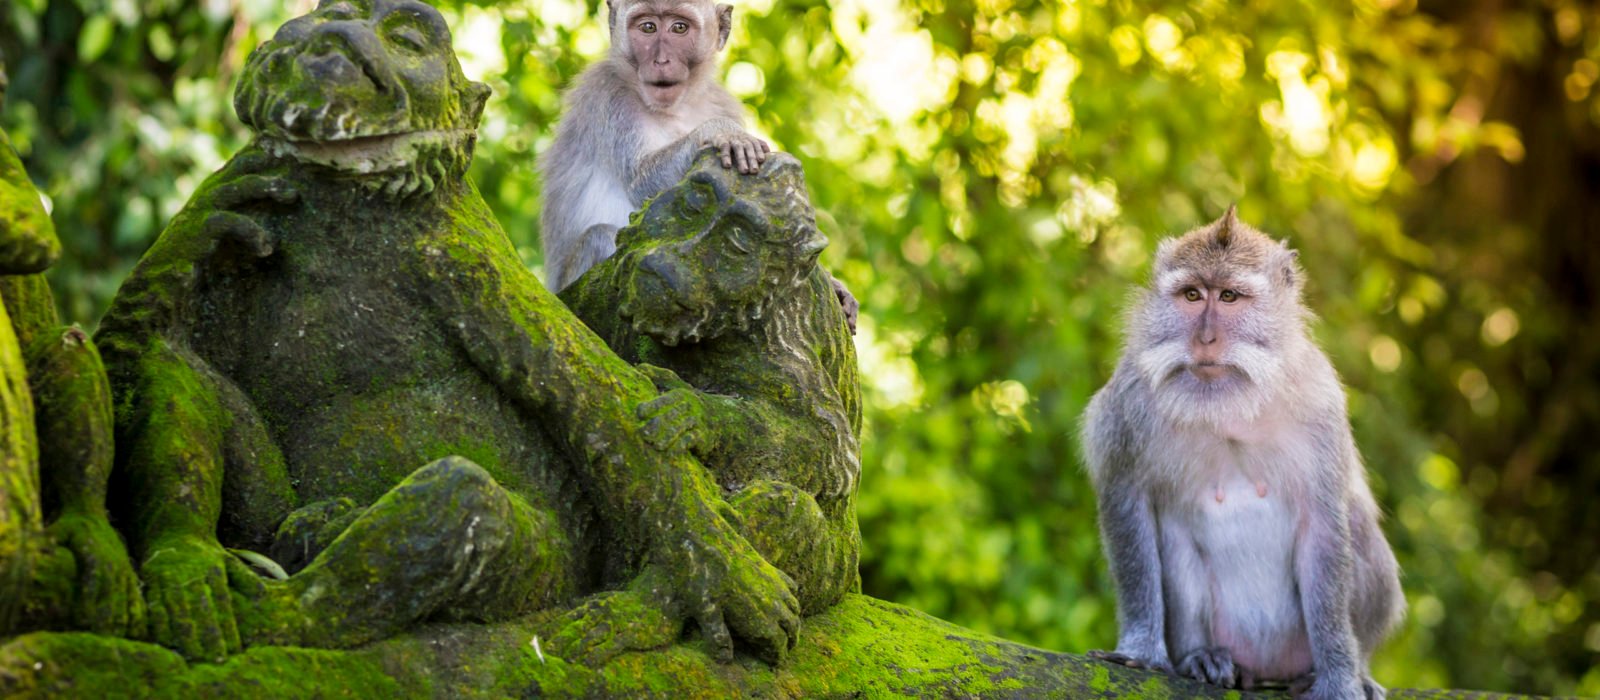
994	175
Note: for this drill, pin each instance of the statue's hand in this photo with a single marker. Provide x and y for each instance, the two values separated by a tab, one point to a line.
235	205
726	585
108	600
186	590
675	420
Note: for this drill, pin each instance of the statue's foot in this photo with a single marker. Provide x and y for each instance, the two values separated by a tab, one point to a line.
611	624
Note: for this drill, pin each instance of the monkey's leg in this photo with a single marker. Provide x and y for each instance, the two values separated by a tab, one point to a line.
1184	584
448	541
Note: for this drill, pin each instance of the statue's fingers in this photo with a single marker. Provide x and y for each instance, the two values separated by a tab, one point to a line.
715	629
242	579
254	188
240	229
217	582
138	611
157	622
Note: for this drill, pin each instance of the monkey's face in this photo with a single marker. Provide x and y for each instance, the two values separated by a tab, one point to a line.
1214	327
356	70
710	254
667	42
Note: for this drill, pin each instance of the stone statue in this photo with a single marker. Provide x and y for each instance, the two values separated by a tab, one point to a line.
334	364
62	566
715	292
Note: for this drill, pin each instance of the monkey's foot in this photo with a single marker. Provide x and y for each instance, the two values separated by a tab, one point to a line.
1308	687
1212	665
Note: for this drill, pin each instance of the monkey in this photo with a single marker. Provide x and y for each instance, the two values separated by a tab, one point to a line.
1242	537
633	124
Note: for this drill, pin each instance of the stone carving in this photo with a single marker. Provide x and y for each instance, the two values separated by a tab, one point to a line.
62	566
337	307
715	292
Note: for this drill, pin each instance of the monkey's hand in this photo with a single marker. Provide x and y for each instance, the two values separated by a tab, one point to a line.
852	308
188	599
108	599
1150	660
675	420
739	149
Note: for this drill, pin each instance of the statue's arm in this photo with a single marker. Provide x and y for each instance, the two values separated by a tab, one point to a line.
529	345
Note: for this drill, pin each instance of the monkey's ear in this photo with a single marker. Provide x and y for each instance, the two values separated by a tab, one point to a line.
473	97
1289	264
611	16
724	24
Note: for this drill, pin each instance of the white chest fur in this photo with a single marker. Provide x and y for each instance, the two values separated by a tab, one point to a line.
667	126
1229	527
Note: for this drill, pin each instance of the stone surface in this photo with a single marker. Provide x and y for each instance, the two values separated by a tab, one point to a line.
860	648
334	355
62	566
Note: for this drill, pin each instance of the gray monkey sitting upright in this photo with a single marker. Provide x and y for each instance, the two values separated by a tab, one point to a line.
1234	508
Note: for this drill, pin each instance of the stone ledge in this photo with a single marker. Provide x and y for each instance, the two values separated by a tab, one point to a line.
861	648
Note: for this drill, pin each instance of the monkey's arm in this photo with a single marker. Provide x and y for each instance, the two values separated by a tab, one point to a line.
748	437
1128	534
1325	570
666	166
532	348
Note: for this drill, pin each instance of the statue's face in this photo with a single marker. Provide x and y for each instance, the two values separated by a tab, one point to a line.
710	254
355	69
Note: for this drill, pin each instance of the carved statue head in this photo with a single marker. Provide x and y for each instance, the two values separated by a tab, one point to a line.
712	253
368	87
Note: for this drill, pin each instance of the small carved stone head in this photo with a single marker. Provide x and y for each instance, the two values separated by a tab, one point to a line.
367	87
710	254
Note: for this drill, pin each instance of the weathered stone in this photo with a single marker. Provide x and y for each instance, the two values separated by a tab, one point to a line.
715	292
337	308
860	648
62	566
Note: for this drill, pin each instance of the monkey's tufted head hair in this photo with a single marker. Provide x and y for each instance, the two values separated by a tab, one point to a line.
1227	248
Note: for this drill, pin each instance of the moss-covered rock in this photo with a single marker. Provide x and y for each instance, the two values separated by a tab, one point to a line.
861	648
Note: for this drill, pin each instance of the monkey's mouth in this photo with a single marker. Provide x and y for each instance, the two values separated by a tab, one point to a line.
1210	371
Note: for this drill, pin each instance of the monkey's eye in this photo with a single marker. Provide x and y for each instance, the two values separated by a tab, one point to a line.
1191	294
680	27
409	37
1228	296
648	27
739	238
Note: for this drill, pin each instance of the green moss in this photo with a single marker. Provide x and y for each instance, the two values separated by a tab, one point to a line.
860	648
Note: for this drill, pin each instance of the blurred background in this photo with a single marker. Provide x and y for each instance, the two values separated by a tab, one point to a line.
994	175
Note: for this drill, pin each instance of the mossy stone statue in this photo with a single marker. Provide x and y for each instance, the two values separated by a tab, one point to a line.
715	292
62	566
334	364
